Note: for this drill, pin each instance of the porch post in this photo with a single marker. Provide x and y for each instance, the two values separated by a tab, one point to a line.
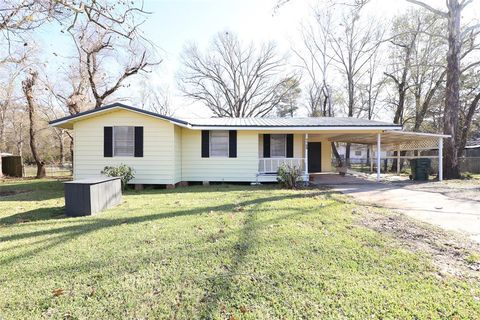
440	159
378	156
306	157
398	160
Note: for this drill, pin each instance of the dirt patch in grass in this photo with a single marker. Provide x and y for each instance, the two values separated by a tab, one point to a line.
452	254
455	189
7	193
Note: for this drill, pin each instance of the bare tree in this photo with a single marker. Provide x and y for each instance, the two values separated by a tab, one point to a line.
234	80
403	44
315	58
93	54
156	99
470	107
316	62
353	47
370	88
119	17
95	47
28	86
288	105
349	47
452	88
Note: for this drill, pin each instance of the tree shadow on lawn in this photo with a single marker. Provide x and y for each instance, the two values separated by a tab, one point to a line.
67	233
41	214
220	286
34	190
214	297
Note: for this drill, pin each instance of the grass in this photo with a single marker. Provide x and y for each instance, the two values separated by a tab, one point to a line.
212	252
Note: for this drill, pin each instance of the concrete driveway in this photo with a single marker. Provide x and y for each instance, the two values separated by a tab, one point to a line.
447	210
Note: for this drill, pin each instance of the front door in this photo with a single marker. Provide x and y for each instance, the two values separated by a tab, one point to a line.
314	157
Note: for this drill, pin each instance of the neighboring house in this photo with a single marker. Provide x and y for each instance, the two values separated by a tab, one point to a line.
358	152
166	150
473	150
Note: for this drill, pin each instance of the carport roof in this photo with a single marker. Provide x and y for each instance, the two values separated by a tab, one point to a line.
390	139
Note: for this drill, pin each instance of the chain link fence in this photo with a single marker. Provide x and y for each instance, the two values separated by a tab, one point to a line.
389	165
51	170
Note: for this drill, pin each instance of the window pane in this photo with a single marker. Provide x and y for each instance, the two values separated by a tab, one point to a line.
219	143
124	141
278	145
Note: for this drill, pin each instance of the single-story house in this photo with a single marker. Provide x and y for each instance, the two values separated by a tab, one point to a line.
166	150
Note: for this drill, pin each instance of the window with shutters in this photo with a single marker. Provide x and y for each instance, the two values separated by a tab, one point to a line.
123	141
218	143
278	145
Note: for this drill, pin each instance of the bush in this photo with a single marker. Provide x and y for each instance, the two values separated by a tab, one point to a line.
289	177
123	171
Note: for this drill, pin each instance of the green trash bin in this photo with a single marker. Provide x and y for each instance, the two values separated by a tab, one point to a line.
420	169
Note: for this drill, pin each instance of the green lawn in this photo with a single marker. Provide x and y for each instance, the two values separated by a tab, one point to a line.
212	252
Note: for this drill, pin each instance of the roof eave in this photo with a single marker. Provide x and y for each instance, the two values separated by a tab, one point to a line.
73	118
297	128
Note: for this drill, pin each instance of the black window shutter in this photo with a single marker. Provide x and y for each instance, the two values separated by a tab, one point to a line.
108	142
289	145
266	146
232	143
205	143
138	142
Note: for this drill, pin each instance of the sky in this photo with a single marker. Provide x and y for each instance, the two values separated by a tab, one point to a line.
174	23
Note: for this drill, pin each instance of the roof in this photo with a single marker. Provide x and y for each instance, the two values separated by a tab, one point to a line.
238	123
288	122
111	107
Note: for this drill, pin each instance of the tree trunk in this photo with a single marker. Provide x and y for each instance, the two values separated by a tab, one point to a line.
336	154
71	150
27	86
452	92
1	172
61	145
347	153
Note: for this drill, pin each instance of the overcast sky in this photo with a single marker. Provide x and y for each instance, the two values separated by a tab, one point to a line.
173	23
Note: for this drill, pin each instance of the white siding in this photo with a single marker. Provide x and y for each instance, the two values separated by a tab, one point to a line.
157	166
178	154
242	168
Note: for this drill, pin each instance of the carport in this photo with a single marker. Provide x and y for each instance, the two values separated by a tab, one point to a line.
396	140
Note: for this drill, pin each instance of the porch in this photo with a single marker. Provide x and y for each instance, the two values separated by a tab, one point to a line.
294	150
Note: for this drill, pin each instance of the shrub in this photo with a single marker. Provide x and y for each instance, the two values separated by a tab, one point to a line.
289	176
123	171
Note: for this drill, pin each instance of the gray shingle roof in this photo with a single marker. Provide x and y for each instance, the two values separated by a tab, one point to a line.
287	122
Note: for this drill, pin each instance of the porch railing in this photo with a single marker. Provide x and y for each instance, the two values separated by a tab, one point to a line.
271	165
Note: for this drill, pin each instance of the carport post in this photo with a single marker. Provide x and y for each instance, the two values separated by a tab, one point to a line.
306	157
378	156
440	158
398	160
371	158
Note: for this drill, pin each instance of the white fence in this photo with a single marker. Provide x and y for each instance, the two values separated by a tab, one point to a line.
271	165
